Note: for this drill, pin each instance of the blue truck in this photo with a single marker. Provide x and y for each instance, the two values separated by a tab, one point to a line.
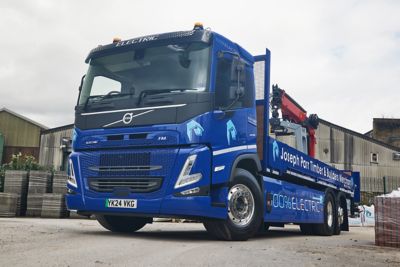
178	125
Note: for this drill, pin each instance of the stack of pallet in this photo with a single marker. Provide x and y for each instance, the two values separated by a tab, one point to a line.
54	203
13	200
10	204
387	221
39	184
54	206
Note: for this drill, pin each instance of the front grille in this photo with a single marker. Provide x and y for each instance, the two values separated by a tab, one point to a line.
133	184
124	164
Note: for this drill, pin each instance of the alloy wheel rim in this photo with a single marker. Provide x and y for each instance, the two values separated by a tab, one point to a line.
240	205
329	212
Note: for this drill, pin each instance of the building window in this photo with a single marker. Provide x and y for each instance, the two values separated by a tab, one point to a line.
374	158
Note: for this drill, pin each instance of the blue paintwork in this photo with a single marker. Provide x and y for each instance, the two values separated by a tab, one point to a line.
217	138
293	203
284	158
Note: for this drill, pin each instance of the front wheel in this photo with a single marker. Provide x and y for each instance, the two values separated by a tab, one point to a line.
244	209
122	223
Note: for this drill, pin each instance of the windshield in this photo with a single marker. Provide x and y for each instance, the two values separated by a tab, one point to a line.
136	74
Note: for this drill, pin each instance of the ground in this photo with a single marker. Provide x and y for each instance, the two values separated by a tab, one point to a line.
75	242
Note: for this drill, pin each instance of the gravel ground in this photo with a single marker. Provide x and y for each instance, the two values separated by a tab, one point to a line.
62	242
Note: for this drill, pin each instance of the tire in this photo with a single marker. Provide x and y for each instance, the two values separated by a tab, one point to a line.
307	229
264	227
330	217
245	212
122	224
342	216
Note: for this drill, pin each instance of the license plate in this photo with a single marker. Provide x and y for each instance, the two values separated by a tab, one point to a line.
121	203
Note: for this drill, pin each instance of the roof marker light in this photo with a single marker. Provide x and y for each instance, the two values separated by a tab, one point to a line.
116	40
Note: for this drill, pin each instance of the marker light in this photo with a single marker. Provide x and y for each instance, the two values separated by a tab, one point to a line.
71	175
116	40
185	178
191	191
198	26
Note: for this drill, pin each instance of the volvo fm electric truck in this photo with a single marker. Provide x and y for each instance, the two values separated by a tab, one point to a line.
179	125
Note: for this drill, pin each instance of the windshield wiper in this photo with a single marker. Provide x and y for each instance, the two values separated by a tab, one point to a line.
160	91
111	94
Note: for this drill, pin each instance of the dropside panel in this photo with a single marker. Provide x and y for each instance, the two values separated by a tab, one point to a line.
291	203
287	160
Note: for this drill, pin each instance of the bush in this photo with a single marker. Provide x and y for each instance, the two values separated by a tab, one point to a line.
23	163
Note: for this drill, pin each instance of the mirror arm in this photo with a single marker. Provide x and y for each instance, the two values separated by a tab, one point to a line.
80	89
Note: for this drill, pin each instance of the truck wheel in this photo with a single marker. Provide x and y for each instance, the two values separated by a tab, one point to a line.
244	209
307	229
330	216
122	223
342	217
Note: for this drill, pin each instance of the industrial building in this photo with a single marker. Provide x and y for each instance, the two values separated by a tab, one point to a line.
19	134
387	131
349	150
55	146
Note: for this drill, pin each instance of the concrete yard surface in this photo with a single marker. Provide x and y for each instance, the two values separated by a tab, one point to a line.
75	242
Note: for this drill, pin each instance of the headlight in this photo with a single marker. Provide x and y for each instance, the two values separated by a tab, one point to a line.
185	178
71	175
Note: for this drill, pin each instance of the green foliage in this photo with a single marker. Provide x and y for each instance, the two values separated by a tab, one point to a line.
22	162
19	162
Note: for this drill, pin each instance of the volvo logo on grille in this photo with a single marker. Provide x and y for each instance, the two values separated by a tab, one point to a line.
128	117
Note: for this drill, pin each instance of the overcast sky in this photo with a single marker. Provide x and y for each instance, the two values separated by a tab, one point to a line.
339	59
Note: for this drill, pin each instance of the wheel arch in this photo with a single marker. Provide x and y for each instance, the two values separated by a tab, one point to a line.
250	163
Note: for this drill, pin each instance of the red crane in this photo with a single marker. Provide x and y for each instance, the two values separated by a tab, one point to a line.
293	112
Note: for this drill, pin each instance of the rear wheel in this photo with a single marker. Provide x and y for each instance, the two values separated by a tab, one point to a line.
330	216
122	223
307	228
244	209
342	216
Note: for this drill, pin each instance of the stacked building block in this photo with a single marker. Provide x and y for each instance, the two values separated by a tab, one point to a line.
54	206
10	204
54	203
387	221
39	184
13	200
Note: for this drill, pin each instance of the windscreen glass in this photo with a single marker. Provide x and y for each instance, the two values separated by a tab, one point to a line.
137	74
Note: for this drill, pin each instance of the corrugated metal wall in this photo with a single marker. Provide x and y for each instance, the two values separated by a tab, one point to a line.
51	154
19	136
18	132
348	151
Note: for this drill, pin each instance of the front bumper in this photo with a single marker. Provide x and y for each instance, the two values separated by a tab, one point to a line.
184	207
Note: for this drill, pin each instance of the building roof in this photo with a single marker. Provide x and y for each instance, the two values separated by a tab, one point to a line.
60	128
23	118
363	136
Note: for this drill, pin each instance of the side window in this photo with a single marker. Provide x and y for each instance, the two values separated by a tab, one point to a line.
103	85
234	86
249	88
223	83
